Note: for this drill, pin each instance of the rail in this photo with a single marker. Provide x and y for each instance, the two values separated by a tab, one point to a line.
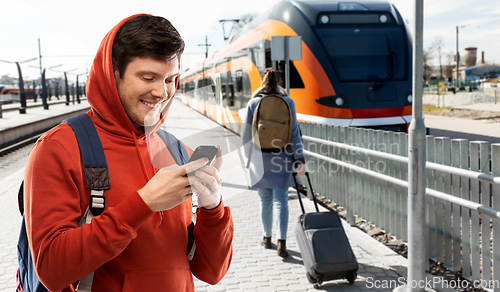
366	172
19	145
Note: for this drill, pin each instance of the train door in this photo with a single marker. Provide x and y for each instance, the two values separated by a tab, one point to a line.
295	79
229	86
200	97
218	98
239	100
218	85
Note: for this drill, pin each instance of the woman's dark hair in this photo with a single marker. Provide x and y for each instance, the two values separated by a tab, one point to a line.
146	36
270	80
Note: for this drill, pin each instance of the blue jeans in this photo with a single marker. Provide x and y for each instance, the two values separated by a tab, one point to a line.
280	197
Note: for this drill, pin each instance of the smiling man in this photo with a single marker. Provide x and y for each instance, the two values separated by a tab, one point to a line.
140	242
147	85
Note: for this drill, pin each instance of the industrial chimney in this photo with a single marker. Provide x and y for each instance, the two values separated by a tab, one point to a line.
470	57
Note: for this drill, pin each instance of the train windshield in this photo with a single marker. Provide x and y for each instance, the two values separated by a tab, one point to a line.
366	53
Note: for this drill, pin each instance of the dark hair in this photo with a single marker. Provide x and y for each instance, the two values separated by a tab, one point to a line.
146	36
270	80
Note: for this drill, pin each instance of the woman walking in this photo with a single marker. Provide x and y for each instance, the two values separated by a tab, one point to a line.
271	168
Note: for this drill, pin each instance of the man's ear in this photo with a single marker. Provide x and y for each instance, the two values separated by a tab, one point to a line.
115	70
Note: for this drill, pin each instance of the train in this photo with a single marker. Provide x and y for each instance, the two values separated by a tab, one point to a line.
13	90
5	89
355	68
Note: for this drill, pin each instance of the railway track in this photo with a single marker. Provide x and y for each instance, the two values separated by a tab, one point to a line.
11	148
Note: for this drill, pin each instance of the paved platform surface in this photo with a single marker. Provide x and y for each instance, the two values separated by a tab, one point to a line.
13	118
253	268
15	127
470	129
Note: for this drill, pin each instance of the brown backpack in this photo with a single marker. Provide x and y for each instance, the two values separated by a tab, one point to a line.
272	122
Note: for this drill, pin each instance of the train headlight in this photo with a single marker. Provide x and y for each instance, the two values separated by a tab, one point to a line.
325	19
410	98
383	18
334	101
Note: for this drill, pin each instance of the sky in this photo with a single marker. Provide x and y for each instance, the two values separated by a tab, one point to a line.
70	31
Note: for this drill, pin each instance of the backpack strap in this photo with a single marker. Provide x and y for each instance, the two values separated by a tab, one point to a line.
94	160
174	146
181	157
96	175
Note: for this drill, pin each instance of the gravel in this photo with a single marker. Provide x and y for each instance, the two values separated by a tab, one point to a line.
460	98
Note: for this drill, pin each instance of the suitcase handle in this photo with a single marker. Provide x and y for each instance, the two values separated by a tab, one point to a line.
294	174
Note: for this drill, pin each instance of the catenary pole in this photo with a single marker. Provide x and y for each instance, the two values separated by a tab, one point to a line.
40	56
457	65
22	93
417	237
206	45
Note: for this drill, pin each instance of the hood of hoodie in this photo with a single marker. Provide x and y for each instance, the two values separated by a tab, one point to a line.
102	94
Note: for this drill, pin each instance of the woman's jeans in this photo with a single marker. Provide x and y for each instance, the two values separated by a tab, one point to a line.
280	198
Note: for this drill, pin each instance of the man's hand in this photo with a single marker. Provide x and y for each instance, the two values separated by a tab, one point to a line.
170	186
208	182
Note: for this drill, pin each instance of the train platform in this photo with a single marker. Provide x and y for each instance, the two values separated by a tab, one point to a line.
30	103
253	268
15	126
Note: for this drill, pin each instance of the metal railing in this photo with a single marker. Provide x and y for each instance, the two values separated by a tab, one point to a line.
366	172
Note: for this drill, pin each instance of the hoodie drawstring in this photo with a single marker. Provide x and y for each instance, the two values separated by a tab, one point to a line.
160	213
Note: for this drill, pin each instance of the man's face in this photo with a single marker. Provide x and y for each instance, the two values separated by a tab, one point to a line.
145	87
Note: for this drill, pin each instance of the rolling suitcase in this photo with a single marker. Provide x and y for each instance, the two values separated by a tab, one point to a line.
325	249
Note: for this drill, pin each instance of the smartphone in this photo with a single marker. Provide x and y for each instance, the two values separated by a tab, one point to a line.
207	151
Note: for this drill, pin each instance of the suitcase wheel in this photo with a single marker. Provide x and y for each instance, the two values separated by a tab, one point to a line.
351	277
318	285
310	278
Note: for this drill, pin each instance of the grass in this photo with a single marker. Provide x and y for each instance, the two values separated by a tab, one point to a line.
429	108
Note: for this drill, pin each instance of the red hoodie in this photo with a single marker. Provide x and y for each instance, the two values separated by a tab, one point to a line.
128	246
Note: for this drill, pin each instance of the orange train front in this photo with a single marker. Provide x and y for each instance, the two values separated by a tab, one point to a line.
355	69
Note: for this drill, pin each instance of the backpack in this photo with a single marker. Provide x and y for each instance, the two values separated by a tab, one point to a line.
272	122
97	176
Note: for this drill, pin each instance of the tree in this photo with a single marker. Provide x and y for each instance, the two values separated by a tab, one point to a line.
448	68
246	18
427	56
437	46
237	24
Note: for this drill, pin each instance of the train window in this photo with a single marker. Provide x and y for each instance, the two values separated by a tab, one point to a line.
223	91
209	82
366	53
269	62
239	81
295	79
188	87
231	95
